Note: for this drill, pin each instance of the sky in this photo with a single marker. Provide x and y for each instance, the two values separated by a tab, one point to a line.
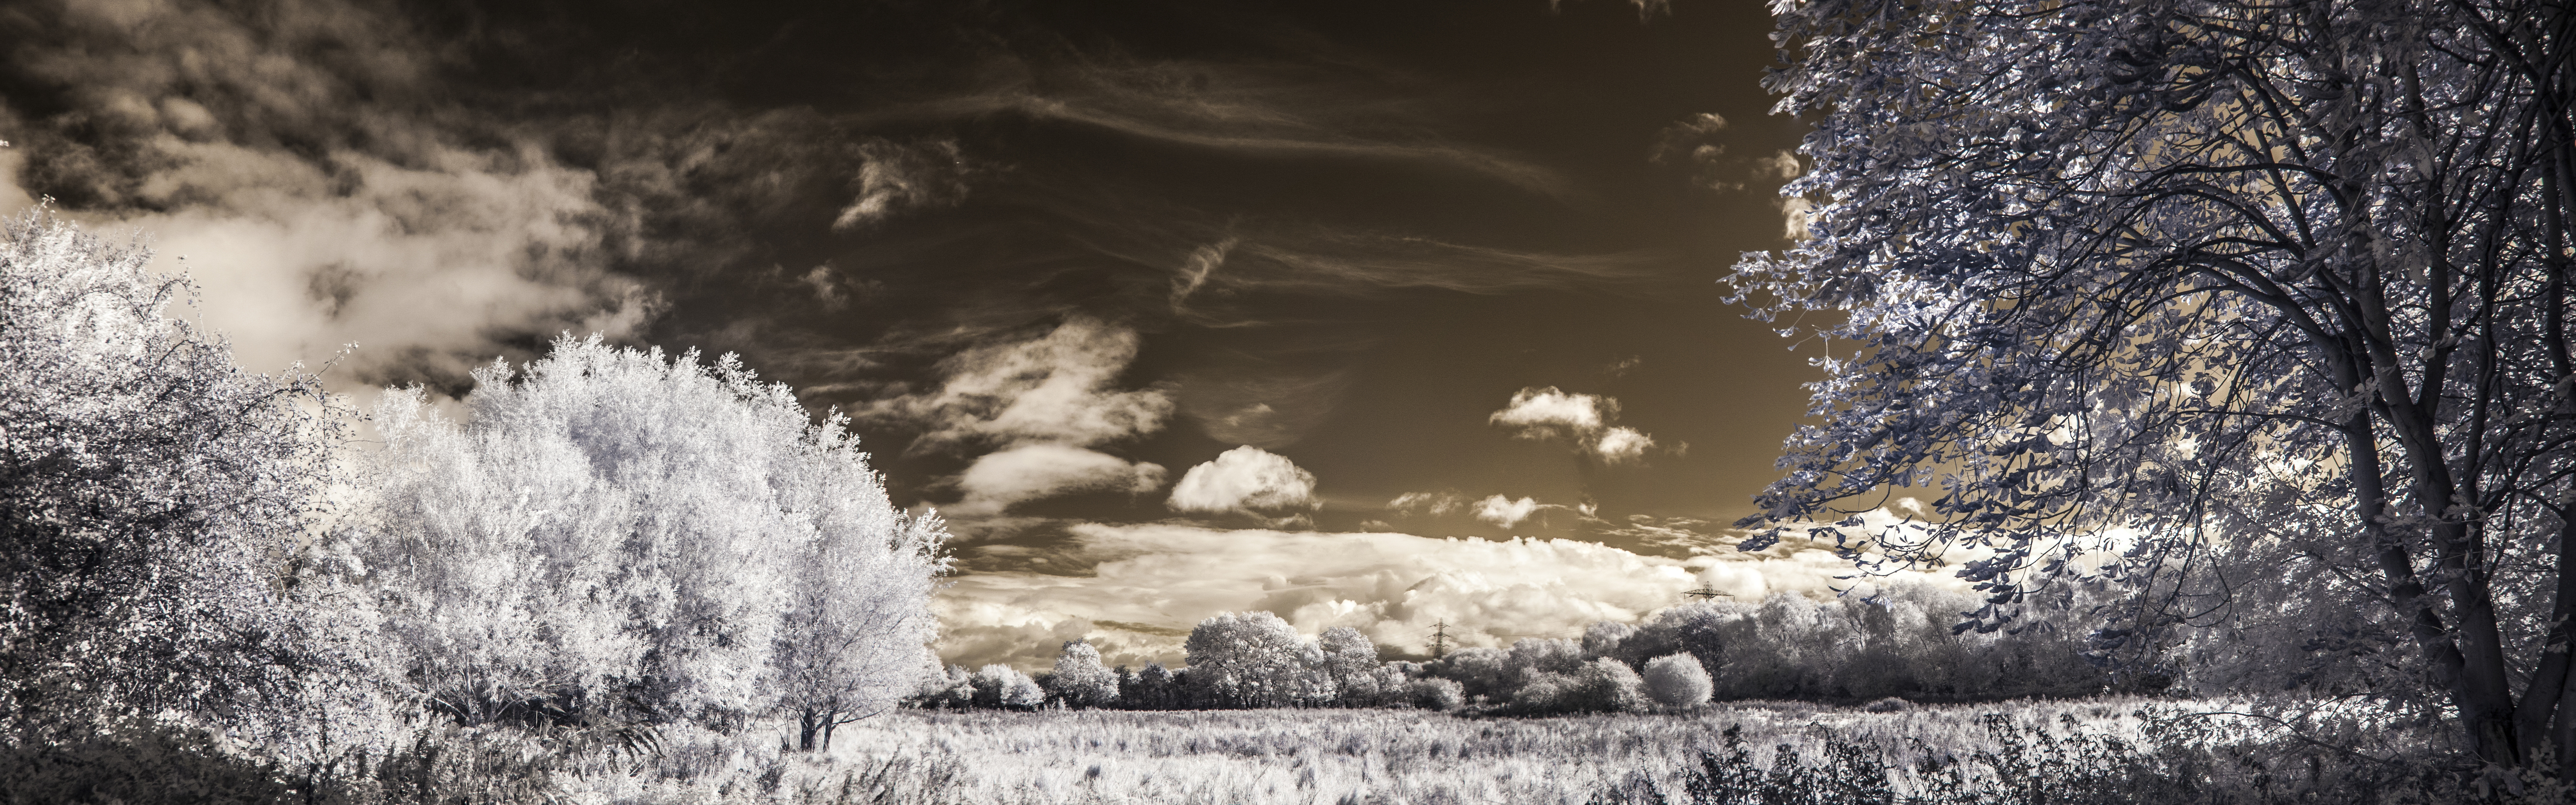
1378	313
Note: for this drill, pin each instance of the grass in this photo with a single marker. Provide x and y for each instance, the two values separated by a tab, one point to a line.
2115	750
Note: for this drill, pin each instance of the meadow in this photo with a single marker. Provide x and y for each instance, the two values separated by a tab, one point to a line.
2102	750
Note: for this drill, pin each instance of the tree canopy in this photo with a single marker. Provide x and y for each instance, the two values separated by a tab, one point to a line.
614	530
2208	301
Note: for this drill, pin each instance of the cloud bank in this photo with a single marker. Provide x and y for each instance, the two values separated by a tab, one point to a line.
1148	584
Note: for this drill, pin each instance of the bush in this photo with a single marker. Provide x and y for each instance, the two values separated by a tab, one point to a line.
1676	680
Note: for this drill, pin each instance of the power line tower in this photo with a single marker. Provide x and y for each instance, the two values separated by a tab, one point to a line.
1707	593
1439	639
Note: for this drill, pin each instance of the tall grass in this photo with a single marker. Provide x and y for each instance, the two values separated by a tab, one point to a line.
1767	753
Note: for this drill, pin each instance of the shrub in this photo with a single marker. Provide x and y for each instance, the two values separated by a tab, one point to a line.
1676	680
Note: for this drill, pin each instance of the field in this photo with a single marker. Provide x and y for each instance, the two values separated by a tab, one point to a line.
2020	752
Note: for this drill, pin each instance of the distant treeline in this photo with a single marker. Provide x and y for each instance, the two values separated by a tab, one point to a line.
1900	643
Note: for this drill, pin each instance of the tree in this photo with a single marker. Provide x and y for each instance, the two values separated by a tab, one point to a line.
1676	680
1359	680
1254	659
2213	301
614	533
154	503
1080	680
1602	685
861	600
1002	686
1154	689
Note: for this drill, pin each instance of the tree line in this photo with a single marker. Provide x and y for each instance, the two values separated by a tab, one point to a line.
1897	644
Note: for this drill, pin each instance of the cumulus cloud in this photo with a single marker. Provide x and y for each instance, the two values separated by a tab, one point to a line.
1505	512
1059	388
1037	471
1245	479
1582	419
321	189
1148	584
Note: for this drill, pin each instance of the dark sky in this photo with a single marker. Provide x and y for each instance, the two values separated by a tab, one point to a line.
1056	257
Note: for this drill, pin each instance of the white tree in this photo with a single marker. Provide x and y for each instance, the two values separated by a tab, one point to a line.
1350	659
1254	659
154	503
613	526
1003	686
1601	685
1080	679
1676	680
2221	301
862	594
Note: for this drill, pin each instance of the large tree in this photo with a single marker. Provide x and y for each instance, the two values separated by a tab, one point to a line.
154	498
614	532
2147	292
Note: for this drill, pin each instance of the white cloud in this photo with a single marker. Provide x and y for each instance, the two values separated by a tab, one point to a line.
1436	503
1780	165
1032	472
1148	584
432	242
1505	512
1536	413
1058	388
1622	444
894	177
1583	419
1246	478
1793	218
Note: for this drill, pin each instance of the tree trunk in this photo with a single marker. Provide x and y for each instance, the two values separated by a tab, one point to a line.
809	724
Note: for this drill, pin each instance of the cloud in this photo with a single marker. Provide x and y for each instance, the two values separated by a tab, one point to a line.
1146	585
1245	479
1548	412
1032	472
323	189
1505	512
1621	444
1793	218
895	177
1260	402
1583	419
1264	110
1781	165
1435	503
1059	388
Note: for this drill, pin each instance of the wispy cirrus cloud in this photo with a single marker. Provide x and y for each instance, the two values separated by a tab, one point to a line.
1033	409
1257	109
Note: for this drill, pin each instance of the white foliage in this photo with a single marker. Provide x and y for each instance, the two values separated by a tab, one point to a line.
609	520
154	506
1677	680
1081	680
1254	659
